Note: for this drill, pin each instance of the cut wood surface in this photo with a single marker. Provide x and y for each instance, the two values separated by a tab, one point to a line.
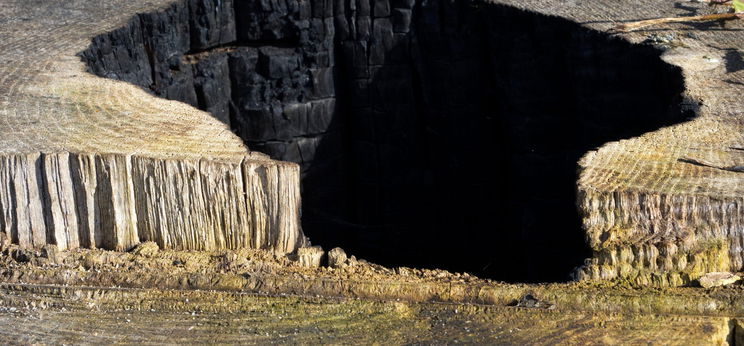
94	162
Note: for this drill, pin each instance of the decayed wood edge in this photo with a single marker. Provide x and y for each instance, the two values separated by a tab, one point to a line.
636	237
114	201
664	208
652	219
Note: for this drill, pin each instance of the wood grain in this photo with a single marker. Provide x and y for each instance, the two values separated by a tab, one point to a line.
93	162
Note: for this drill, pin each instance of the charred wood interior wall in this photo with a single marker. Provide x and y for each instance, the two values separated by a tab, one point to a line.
431	133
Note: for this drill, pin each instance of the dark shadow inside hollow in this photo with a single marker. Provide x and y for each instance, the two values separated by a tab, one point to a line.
462	145
435	134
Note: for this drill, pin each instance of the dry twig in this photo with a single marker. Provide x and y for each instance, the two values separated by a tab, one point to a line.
737	12
703	18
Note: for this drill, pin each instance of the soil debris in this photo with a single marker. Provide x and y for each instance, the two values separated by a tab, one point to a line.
530	301
337	257
146	249
718	279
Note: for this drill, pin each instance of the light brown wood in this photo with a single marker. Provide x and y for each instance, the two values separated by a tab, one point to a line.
93	162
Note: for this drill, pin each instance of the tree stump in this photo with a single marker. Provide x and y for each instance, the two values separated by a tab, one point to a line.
88	161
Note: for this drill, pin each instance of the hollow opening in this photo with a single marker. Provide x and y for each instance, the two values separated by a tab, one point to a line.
431	133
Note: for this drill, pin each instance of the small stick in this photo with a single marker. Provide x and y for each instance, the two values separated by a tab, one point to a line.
713	2
703	18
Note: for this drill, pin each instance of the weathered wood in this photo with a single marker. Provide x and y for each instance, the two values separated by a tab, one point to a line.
93	162
653	216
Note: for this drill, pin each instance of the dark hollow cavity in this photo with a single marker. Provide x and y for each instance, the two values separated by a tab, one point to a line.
431	133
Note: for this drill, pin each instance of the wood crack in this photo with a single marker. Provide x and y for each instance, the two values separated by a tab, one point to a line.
735	168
